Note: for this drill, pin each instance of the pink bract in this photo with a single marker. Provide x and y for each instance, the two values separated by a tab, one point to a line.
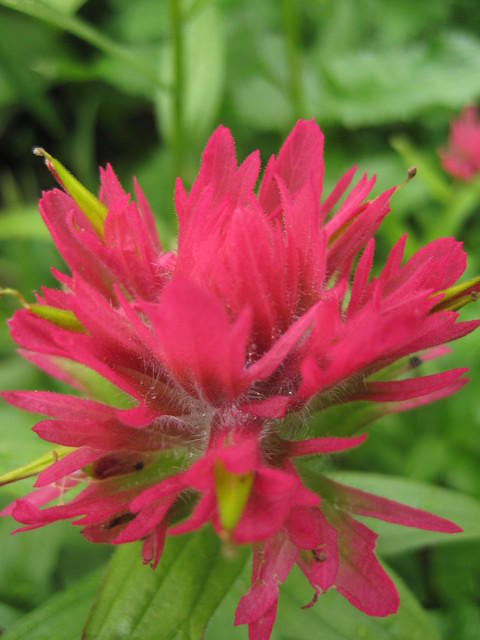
266	312
462	156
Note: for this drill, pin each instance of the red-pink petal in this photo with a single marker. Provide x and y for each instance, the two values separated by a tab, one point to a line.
360	577
324	445
70	463
368	504
397	390
300	159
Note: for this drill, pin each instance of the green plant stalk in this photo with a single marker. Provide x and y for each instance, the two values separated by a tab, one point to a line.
292	51
77	27
176	39
463	200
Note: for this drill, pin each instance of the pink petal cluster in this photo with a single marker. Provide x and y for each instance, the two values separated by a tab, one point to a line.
266	311
462	156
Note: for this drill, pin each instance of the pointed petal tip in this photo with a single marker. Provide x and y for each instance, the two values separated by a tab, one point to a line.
454	528
40	152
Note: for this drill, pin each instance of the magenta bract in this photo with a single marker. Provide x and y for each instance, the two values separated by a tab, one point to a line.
266	311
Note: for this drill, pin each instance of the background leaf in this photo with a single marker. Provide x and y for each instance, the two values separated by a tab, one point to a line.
61	617
24	222
204	70
461	509
331	618
191	580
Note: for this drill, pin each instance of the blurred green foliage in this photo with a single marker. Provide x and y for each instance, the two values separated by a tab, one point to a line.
94	81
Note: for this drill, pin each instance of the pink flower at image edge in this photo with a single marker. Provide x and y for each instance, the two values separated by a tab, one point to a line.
462	156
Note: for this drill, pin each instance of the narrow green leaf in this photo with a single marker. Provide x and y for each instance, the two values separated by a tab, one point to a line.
25	572
96	386
70	23
180	596
204	72
461	509
35	467
65	6
348	419
61	617
223	573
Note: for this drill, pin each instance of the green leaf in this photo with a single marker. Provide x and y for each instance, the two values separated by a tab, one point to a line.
332	617
22	222
65	6
8	615
204	72
26	574
191	580
94	385
461	509
18	444
348	419
43	10
377	85
61	617
262	104
20	41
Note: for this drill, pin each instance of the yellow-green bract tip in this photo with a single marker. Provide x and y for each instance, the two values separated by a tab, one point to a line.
456	297
61	317
233	490
90	205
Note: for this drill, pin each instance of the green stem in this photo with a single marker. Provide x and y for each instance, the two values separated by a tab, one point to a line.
77	27
292	50
176	39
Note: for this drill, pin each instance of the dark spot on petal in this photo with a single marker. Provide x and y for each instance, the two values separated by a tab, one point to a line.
414	362
116	464
319	557
118	520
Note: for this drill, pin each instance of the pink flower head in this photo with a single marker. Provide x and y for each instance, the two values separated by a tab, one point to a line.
266	311
462	157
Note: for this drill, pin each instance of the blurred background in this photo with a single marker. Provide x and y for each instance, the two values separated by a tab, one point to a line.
91	81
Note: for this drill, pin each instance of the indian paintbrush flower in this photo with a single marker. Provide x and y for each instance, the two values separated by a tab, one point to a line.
462	156
266	312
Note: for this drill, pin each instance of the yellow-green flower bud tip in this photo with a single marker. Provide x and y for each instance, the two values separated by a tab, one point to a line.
459	295
61	317
232	490
90	205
